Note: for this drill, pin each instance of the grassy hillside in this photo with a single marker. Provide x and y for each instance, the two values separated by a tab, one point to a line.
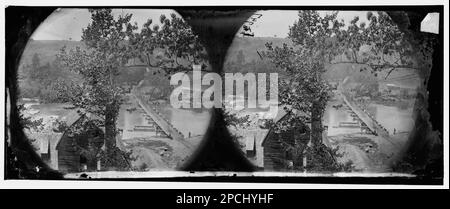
36	81
249	46
402	76
46	50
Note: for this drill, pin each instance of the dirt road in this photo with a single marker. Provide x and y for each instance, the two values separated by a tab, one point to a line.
368	153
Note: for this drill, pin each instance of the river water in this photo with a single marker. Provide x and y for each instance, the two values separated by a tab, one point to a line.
390	117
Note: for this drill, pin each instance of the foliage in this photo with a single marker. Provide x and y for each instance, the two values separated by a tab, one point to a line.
250	47
156	86
232	119
172	46
27	122
381	45
367	85
322	40
111	43
60	126
116	159
304	89
37	80
322	158
96	93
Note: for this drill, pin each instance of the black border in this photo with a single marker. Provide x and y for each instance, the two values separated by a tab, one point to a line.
17	19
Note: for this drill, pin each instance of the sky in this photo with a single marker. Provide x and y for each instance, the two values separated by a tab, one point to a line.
67	24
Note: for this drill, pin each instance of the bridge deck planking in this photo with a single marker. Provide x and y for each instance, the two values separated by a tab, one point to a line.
164	125
371	124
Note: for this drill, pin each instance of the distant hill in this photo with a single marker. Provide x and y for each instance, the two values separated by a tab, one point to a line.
37	80
402	76
46	50
249	46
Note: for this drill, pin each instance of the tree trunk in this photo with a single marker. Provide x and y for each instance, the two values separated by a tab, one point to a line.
110	128
316	124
